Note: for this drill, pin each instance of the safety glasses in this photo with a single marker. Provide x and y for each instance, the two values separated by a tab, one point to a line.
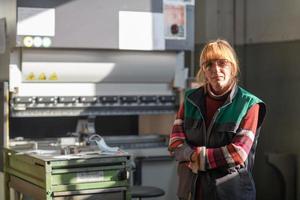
219	62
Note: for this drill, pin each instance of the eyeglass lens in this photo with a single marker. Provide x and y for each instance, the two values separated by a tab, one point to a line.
219	62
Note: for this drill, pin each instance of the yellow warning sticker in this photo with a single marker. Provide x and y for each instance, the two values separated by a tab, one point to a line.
53	76
30	76
42	76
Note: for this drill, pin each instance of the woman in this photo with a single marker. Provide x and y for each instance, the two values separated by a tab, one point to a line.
215	133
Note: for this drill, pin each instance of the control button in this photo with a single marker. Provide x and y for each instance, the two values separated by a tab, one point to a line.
88	99
167	99
148	99
28	41
22	100
37	41
46	99
66	99
108	99
46	42
174	29
128	99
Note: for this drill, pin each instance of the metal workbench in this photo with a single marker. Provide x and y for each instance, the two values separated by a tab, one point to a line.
45	174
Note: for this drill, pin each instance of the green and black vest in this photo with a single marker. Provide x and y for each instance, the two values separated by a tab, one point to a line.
225	123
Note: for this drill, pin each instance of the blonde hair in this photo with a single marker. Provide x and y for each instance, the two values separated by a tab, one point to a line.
218	49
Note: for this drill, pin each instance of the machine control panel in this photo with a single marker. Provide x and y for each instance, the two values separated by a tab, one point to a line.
92	105
100	100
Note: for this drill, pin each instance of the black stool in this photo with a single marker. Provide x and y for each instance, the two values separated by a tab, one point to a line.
139	191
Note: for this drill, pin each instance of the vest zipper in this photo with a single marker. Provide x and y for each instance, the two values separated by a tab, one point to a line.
212	122
214	119
217	113
203	121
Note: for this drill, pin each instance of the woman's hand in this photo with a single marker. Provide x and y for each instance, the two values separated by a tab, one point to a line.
195	163
194	157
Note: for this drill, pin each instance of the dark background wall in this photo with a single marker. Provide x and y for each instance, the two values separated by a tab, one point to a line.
273	74
266	35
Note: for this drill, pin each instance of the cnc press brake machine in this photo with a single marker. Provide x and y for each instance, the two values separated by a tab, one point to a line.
66	64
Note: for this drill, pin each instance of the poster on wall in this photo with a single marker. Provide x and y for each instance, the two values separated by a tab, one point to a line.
175	21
